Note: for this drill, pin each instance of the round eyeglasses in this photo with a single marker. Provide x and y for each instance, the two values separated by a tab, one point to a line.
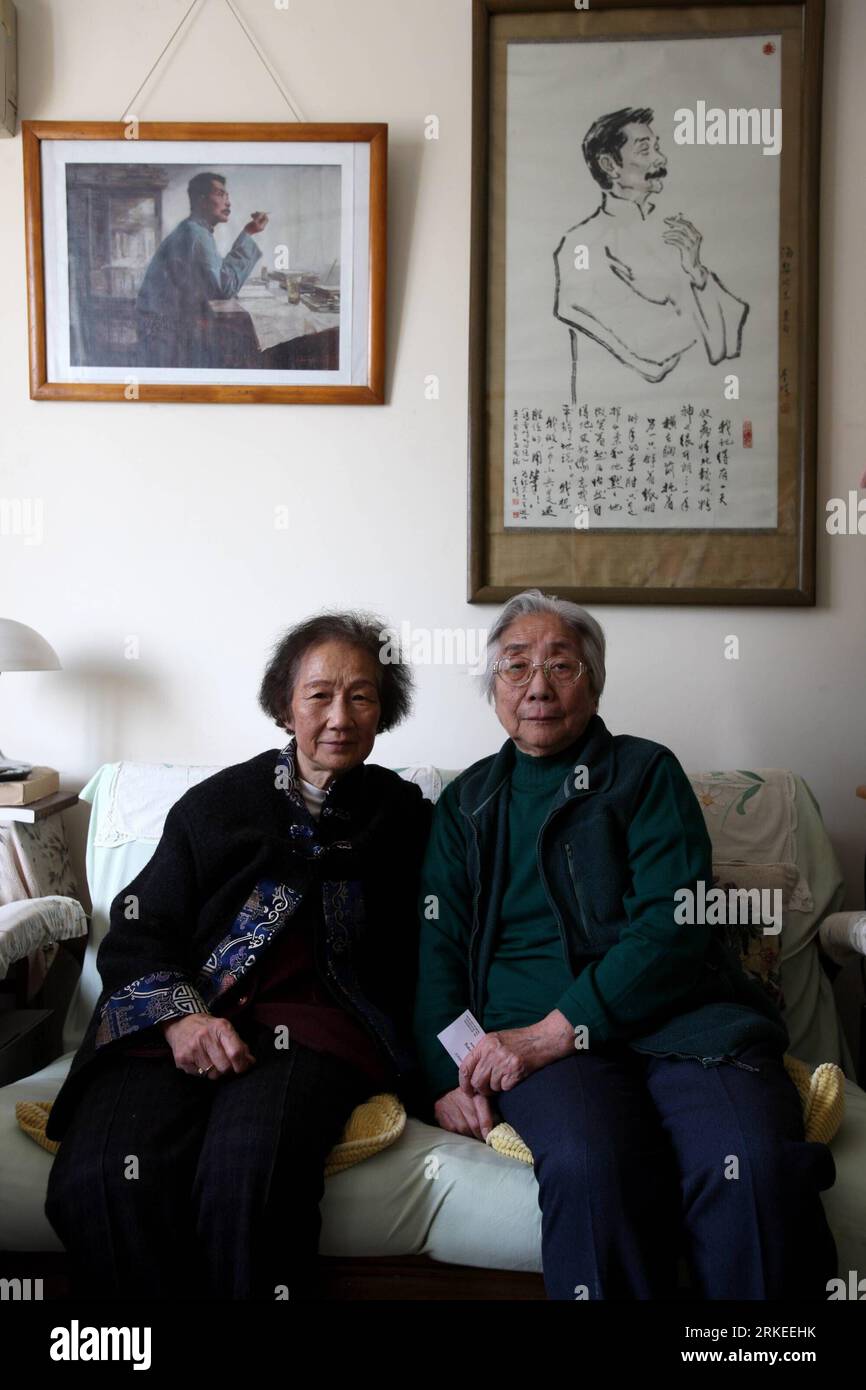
519	670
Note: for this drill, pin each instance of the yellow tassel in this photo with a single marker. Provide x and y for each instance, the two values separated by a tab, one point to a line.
379	1121
32	1116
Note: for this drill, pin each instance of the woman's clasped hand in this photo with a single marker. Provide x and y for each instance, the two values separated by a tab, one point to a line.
205	1045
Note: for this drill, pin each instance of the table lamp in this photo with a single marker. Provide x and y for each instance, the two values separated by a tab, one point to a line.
22	649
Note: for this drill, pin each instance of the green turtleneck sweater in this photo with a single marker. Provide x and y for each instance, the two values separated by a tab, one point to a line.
529	972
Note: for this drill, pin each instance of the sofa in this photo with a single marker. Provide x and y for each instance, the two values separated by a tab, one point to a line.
438	1215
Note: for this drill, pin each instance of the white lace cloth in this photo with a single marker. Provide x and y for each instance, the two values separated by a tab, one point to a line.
141	794
139	799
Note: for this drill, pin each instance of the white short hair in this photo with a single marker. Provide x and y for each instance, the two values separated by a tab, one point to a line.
585	628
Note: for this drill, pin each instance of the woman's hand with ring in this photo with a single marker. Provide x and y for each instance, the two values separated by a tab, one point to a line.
205	1045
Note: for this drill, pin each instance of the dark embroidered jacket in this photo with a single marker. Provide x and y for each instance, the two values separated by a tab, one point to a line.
237	856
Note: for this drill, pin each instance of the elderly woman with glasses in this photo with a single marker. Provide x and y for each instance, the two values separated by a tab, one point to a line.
258	981
632	1054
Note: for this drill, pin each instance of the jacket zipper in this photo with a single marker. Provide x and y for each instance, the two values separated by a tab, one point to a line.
476	919
559	922
583	916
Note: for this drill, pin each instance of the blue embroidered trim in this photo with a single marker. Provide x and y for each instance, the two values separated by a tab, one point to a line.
262	917
161	995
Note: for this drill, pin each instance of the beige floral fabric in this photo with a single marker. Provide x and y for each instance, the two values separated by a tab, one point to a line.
751	818
35	863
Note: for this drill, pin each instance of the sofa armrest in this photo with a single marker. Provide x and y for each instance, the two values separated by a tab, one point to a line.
843	935
35	922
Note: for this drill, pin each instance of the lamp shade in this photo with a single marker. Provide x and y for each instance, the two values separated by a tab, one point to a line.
22	649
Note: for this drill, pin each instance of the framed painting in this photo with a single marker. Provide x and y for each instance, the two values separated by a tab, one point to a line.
643	304
239	263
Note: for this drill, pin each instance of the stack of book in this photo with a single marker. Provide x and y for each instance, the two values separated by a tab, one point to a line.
42	781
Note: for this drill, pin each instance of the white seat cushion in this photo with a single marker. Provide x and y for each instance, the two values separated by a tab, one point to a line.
438	1194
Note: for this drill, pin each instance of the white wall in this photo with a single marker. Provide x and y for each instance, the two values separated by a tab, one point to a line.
159	518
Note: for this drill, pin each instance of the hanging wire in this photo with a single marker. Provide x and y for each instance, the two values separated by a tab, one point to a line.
255	46
276	81
153	69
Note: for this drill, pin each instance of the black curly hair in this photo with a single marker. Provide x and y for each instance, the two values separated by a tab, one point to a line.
357	629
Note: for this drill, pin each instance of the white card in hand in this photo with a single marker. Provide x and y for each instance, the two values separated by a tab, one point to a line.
460	1037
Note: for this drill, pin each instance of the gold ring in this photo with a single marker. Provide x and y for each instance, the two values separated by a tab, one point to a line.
202	1071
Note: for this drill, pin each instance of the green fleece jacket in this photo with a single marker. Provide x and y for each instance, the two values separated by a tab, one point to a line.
607	859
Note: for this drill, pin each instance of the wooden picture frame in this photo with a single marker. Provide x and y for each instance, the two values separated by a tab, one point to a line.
117	312
550	82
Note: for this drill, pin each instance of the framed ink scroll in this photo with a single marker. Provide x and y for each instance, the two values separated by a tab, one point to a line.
204	262
643	334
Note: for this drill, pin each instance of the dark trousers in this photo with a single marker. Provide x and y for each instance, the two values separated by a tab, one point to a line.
641	1158
167	1185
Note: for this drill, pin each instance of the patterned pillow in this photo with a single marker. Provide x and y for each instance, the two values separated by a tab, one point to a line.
759	952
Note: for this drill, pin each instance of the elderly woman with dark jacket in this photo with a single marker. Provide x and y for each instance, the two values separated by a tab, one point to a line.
258	983
640	1064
